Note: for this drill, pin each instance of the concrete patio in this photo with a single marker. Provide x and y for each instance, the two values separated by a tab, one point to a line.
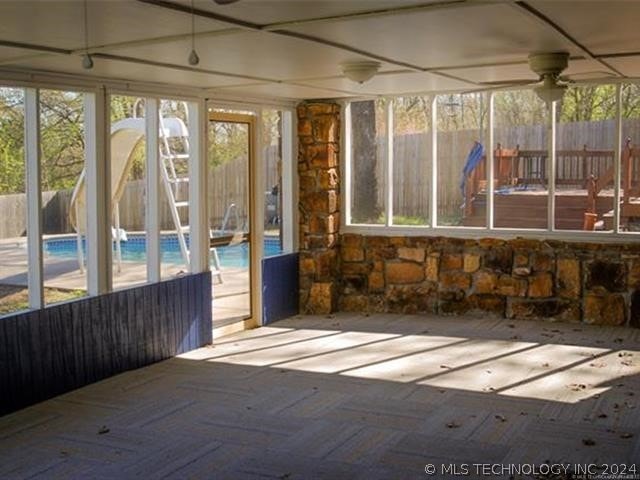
347	396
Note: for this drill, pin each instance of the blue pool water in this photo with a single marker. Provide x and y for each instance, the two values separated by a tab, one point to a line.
134	249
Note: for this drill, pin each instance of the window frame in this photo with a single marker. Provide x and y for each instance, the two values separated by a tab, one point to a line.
432	229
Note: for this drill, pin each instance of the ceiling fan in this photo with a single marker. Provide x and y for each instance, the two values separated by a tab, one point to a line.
550	85
225	2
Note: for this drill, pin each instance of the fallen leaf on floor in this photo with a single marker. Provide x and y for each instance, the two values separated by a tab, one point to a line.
453	425
103	430
626	435
523	413
511	325
545	365
618	340
602	415
626	363
625	354
501	418
445	366
488	371
488	389
576	387
589	442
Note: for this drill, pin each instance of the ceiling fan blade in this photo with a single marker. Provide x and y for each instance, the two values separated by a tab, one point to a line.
225	2
586	75
501	83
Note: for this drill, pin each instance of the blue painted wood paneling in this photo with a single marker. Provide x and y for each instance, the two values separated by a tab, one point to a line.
279	287
47	352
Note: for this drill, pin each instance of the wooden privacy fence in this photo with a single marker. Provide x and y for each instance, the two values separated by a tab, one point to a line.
412	158
228	183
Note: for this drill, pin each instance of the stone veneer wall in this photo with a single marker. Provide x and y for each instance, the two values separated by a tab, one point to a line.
520	279
318	157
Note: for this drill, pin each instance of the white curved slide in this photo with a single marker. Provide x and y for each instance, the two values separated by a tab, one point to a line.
126	134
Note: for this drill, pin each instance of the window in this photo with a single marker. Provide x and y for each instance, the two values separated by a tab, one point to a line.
555	167
629	211
462	127
14	263
520	160
411	160
368	153
585	158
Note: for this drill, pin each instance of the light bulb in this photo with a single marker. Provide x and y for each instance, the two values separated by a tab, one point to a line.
87	62
193	58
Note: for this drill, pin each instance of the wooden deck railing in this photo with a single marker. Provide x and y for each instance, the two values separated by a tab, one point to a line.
584	169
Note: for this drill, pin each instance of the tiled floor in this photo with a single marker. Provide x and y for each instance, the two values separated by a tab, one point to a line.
348	396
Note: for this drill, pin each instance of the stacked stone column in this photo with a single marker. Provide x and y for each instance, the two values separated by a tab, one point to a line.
318	159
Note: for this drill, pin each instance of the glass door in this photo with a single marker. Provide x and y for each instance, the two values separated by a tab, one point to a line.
231	206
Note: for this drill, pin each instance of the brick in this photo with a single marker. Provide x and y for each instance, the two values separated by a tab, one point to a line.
499	259
568	277
471	262
540	285
328	179
404	272
607	309
454	280
304	127
320	299
451	261
485	282
547	309
542	262
351	240
354	303
325	128
376	282
432	269
412	254
411	298
511	287
307	266
352	254
634	273
520	259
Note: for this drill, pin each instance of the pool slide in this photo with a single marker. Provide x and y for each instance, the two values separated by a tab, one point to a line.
126	135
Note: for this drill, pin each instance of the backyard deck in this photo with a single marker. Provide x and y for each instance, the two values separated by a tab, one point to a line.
347	397
584	186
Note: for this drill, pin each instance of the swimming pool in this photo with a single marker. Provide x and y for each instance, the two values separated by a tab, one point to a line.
134	249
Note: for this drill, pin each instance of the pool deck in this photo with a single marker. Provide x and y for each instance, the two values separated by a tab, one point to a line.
231	297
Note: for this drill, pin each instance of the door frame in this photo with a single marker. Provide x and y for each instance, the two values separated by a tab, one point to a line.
256	227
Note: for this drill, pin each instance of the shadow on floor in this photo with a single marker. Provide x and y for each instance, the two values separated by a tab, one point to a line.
348	397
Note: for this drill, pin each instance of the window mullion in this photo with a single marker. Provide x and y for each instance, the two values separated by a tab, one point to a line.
617	158
388	184
433	212
551	167
34	196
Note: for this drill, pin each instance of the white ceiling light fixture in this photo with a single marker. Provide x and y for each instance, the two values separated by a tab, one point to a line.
193	59
360	71
549	66
550	85
87	61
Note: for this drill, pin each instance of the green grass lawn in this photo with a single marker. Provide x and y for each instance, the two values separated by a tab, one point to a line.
14	298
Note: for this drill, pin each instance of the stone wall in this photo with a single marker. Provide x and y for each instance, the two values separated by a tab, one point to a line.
519	279
318	157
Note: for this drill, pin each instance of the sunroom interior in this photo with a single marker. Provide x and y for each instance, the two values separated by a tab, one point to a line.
309	239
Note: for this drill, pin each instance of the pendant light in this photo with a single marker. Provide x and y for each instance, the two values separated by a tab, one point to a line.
193	56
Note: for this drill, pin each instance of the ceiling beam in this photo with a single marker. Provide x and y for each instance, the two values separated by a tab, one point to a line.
329	43
541	18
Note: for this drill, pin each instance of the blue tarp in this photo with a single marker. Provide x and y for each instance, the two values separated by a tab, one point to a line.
473	159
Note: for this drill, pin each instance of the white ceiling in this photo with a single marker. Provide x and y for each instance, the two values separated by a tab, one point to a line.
291	49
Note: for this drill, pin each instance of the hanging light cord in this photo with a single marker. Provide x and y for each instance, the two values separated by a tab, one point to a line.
193	27
86	28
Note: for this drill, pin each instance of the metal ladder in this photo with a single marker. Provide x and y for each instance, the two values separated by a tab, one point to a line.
174	158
